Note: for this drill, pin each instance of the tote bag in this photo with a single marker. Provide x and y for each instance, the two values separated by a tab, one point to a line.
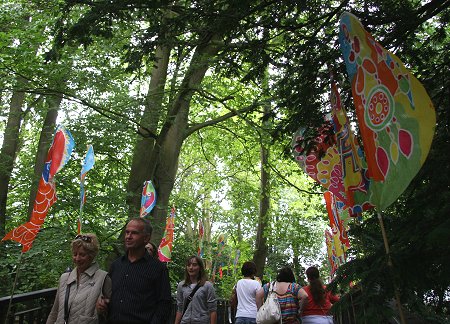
270	311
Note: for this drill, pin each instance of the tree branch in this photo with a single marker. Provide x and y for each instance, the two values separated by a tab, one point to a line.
108	113
220	119
290	183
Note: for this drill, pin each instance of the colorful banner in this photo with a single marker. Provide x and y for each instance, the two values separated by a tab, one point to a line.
88	164
353	166
331	155
220	247
331	256
395	114
165	247
220	244
316	152
148	200
336	224
335	253
58	155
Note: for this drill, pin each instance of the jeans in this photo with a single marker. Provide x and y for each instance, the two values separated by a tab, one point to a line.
245	320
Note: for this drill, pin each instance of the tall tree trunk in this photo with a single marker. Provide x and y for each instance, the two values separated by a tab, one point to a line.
260	255
140	166
298	269
9	148
45	139
240	238
190	232
166	152
207	233
261	248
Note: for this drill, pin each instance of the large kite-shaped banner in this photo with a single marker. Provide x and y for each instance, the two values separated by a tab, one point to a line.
395	114
57	156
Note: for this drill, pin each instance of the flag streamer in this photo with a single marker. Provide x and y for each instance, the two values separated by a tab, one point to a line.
88	164
220	247
165	247
58	155
337	226
332	258
148	200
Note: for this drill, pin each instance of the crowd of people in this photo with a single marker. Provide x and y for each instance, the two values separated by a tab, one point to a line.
136	290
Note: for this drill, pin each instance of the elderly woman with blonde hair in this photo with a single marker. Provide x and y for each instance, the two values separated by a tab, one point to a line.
79	290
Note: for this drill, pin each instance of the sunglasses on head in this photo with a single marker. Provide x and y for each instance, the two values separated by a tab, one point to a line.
84	238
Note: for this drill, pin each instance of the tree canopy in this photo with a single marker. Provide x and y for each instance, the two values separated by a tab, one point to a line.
203	97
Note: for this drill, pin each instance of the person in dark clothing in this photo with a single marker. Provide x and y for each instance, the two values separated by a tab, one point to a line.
152	249
140	283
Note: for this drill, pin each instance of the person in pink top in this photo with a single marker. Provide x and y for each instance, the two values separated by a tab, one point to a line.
316	300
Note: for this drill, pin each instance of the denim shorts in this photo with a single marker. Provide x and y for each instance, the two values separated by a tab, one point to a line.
245	320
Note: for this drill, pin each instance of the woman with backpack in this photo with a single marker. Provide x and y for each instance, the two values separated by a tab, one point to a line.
287	292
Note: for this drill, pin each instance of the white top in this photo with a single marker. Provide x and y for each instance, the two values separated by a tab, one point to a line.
246	292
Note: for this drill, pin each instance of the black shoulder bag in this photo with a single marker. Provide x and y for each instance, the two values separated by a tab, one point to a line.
66	305
189	299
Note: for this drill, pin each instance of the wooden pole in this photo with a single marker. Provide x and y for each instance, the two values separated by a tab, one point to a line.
14	286
391	266
353	310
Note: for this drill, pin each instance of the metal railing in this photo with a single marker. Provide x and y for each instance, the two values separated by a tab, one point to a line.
34	307
27	308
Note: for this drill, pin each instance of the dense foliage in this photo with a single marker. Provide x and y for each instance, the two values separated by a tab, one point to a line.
203	127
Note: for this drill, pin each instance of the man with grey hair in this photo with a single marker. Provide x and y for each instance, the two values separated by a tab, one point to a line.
140	283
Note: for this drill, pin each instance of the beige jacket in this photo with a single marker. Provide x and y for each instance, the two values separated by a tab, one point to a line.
83	296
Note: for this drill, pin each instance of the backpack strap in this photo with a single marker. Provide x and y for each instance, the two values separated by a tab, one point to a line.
272	286
189	298
269	290
293	289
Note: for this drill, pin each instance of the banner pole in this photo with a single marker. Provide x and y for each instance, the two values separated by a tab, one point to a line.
82	197
79	220
391	266
14	286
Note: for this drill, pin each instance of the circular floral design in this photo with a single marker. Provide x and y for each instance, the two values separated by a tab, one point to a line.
379	108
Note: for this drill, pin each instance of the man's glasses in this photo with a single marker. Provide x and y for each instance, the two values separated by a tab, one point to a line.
84	238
